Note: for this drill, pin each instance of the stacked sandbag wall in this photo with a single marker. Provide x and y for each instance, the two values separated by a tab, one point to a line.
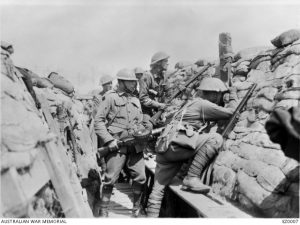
25	131
252	171
76	137
23	134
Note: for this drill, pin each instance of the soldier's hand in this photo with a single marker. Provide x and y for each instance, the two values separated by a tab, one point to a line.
162	105
113	145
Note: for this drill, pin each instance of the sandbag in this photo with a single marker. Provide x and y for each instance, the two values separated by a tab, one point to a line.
43	83
256	76
292	81
227	178
61	83
287	103
21	129
268	93
288	94
263	103
282	71
286	38
238	78
257	60
251	189
250	53
272	179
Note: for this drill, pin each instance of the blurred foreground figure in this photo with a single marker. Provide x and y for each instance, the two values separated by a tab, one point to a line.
283	127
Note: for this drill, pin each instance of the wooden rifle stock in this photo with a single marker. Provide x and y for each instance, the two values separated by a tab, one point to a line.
157	115
235	115
103	151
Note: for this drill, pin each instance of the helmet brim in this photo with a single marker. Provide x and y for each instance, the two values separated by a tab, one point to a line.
156	61
128	79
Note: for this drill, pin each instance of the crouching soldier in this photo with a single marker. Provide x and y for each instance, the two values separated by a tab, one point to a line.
123	114
181	141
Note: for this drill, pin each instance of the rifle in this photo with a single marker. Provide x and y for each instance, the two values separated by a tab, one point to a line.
141	136
230	125
157	115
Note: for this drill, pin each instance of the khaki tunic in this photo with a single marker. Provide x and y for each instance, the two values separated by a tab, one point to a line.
119	115
148	100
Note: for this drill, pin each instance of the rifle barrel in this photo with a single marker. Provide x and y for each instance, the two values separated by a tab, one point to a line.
156	116
233	119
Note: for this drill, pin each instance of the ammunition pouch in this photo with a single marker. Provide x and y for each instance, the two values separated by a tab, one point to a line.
177	133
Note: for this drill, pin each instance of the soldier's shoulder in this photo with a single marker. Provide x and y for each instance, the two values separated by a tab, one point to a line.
109	95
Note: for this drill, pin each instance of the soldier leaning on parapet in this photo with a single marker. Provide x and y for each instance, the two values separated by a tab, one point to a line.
181	141
123	114
152	84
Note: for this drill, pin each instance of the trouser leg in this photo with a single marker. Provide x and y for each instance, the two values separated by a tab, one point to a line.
164	173
205	152
105	200
115	163
136	168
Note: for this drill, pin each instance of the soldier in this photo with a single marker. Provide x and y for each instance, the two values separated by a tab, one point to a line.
106	83
138	72
123	114
152	84
180	141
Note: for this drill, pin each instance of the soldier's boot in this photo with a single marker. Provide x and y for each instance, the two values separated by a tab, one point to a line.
192	180
194	184
105	200
137	206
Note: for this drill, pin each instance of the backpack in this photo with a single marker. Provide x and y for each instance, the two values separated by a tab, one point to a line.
177	133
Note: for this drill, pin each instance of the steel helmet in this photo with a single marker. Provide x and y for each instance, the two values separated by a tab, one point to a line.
158	56
138	70
201	62
212	84
126	74
105	79
182	64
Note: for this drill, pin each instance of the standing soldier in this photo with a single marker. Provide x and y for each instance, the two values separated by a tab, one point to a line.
180	141
106	83
152	84
138	71
123	114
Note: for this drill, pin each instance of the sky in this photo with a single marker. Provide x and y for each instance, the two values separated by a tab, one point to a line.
83	39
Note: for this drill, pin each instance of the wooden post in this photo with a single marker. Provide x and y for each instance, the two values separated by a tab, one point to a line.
226	56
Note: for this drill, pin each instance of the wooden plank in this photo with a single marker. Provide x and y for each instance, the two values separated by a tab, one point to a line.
60	181
210	205
121	201
64	179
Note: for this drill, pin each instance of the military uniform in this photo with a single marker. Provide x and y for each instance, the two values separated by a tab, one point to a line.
149	100
124	116
119	115
206	146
